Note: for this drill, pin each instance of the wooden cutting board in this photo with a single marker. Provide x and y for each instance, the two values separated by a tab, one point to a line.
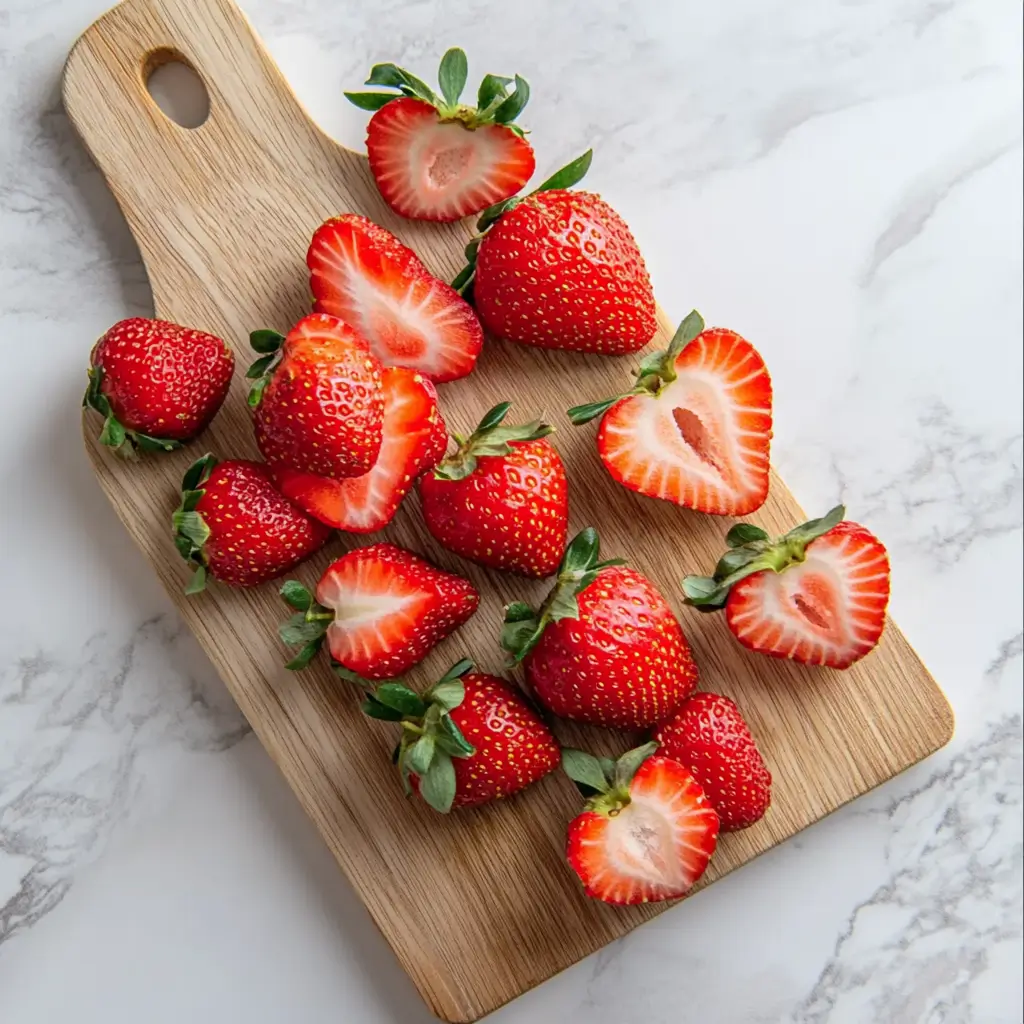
478	906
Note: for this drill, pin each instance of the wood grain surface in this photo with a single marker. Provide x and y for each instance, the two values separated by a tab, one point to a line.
478	906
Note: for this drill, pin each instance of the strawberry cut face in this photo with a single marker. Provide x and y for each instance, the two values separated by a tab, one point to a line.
433	169
390	609
414	439
703	441
653	848
827	610
362	274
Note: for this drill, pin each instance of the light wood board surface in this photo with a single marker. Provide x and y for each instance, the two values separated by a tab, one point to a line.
478	906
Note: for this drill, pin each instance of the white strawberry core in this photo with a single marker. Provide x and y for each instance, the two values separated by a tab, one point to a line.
640	844
447	156
448	165
366	621
394	320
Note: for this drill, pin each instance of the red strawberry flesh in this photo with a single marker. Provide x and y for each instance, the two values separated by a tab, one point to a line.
256	534
710	737
653	848
561	270
364	275
510	513
390	609
514	748
322	410
161	379
703	441
431	168
624	663
414	439
828	609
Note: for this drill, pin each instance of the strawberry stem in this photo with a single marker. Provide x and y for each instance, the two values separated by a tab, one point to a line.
489	438
605	782
751	550
579	567
656	370
571	174
429	739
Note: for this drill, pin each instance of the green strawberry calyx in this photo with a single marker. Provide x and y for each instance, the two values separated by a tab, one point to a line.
489	438
495	102
752	550
430	738
579	568
125	441
656	371
603	780
190	529
268	344
307	628
571	174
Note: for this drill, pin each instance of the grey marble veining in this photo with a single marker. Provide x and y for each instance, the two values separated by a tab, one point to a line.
840	182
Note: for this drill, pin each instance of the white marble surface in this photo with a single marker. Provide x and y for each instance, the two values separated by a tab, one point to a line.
841	182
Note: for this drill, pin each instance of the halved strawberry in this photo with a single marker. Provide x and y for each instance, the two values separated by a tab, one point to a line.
365	276
414	439
696	428
648	831
436	159
381	609
817	595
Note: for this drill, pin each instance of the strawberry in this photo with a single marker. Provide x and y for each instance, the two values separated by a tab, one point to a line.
470	739
709	736
559	269
318	398
817	595
381	608
605	647
696	427
364	275
648	830
436	159
502	498
233	524
156	384
414	438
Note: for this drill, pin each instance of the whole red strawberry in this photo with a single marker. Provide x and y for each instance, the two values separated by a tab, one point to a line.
605	647
648	830
414	439
234	525
436	159
317	397
156	383
817	595
470	739
365	276
381	609
502	499
560	269
695	429
709	736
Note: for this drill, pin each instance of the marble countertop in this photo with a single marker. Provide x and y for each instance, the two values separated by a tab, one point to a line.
841	182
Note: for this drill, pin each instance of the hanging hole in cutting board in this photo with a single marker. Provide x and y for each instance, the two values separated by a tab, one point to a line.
176	88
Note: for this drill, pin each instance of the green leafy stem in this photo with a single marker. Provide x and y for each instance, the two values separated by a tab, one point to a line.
579	568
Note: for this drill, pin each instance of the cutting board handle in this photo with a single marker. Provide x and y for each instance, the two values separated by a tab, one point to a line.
191	193
106	95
